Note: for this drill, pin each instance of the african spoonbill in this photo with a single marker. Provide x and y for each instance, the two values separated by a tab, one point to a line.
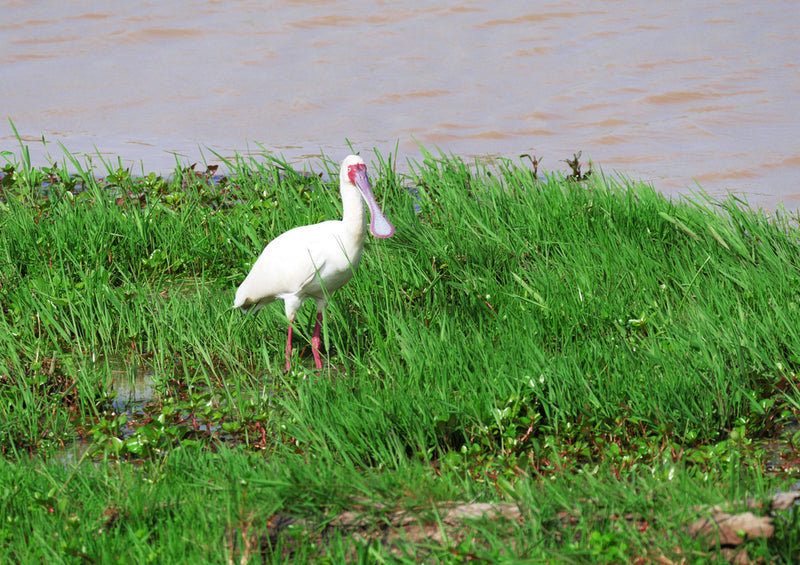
314	261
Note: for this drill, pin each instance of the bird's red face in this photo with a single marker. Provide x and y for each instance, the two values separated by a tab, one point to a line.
354	170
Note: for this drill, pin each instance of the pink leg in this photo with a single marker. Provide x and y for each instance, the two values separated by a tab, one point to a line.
289	350
316	341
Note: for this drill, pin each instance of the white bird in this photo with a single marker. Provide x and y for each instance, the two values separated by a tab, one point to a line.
314	261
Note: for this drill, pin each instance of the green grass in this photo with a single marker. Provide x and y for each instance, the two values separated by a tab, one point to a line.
585	349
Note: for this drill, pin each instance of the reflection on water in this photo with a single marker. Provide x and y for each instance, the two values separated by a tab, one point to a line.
132	384
73	454
782	454
657	90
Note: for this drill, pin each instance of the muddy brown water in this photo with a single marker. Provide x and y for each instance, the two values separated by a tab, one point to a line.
669	92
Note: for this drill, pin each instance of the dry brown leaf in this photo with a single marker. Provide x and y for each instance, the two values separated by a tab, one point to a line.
785	500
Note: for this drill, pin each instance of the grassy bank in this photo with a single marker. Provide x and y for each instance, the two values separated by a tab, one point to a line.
604	359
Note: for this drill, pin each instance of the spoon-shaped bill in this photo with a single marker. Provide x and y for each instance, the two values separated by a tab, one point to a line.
379	225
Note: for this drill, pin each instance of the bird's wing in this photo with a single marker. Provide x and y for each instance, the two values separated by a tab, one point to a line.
288	265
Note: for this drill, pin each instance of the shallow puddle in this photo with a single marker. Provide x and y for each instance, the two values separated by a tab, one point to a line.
782	455
132	387
73	453
132	384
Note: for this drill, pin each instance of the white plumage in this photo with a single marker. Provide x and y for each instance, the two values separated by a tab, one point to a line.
314	261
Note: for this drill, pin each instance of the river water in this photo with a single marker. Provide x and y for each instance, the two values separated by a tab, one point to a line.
670	92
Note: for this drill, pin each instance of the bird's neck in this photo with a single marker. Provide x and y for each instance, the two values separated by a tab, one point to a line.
354	215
